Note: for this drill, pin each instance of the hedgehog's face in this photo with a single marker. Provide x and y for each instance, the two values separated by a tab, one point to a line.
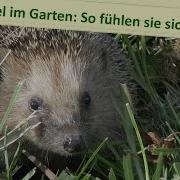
68	83
71	106
61	128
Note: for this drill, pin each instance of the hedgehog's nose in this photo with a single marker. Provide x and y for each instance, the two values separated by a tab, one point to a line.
73	144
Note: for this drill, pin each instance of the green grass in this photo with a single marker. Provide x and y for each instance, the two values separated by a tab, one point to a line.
134	161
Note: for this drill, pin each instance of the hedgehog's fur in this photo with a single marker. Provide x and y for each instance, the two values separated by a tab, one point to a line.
58	67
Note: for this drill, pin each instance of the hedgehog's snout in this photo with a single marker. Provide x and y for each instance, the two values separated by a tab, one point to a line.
73	144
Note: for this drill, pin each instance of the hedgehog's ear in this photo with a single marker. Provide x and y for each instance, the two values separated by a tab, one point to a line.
9	35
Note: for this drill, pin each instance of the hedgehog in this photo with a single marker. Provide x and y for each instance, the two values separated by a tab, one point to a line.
68	80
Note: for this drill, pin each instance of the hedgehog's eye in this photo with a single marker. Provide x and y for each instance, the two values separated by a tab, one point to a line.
35	103
86	98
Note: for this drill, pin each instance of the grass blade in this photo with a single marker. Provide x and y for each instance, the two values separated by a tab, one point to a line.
112	175
30	174
10	106
159	167
140	141
127	166
91	158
